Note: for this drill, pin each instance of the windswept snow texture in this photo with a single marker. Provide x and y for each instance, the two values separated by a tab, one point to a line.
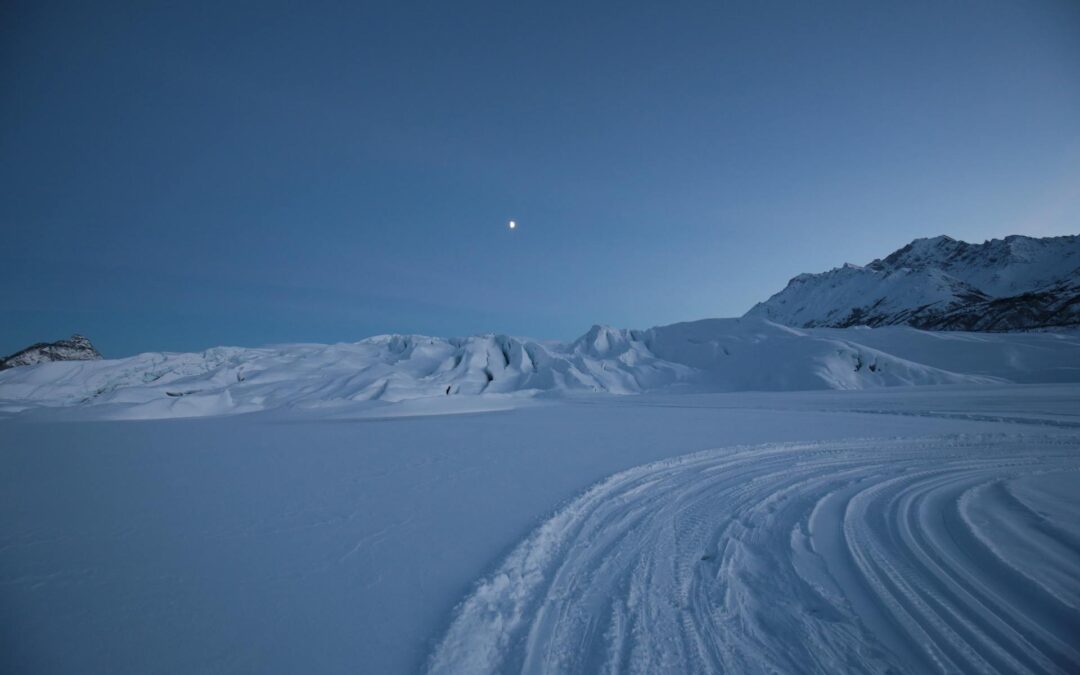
712	355
932	555
1013	283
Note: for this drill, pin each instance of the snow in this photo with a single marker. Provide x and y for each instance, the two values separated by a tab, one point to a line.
998	267
859	556
893	528
720	495
704	356
830	297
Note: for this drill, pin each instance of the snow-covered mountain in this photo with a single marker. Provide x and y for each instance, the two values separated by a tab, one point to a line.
710	355
76	348
1014	283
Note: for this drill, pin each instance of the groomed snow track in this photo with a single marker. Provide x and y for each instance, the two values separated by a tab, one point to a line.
954	554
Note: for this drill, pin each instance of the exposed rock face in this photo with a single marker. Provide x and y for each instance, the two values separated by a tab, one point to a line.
75	348
1015	283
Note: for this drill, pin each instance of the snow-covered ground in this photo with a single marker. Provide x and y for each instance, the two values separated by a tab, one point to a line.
912	528
931	554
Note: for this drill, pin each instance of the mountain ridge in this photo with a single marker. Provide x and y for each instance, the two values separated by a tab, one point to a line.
941	283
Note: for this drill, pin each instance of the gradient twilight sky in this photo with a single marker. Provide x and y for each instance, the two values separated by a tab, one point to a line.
177	176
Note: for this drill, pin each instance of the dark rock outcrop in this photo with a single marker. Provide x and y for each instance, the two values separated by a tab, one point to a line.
75	348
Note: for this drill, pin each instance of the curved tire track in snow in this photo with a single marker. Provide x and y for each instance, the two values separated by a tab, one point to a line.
918	555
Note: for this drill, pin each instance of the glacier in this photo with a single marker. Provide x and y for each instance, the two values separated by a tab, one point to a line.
713	355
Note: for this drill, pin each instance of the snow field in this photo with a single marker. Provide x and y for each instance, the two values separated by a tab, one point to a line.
338	540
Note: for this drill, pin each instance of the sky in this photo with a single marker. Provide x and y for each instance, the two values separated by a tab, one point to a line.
175	176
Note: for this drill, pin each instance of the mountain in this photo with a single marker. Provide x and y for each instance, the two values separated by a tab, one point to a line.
1015	283
713	355
76	348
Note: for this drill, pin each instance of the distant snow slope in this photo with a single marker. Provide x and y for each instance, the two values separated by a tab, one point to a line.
941	283
710	355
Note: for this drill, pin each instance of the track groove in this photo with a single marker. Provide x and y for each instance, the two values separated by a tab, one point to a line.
869	556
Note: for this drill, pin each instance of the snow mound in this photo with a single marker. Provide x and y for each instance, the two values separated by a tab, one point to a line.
751	354
710	355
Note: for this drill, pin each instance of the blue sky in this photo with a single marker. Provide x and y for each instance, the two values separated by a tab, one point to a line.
178	177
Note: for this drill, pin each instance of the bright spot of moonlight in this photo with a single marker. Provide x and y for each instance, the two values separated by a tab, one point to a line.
512	224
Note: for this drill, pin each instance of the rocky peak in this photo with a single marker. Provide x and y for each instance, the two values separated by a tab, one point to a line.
75	348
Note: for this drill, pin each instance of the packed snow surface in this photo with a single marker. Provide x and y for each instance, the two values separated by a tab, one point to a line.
903	529
701	356
917	555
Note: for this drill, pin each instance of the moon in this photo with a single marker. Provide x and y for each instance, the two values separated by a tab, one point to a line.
512	225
